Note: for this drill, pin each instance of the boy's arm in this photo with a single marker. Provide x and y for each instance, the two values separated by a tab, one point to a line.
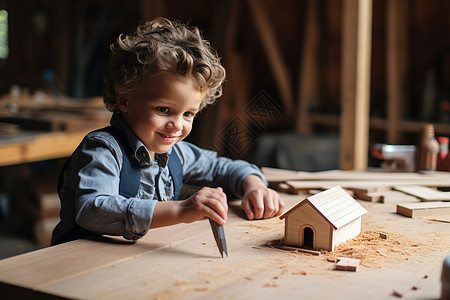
259	201
206	203
237	178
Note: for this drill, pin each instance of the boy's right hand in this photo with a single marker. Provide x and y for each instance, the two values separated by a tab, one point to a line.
206	203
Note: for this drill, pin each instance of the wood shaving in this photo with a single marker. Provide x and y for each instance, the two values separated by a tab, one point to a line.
180	282
271	284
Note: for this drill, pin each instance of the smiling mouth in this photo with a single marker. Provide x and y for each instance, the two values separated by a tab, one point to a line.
167	136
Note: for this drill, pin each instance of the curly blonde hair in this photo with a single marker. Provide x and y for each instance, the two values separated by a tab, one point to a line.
157	47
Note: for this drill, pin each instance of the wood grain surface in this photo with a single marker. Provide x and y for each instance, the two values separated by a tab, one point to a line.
183	262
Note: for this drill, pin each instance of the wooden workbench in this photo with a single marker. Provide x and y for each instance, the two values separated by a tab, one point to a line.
38	146
183	262
49	129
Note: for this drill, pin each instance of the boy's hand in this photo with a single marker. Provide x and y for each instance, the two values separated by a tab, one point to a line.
260	202
206	203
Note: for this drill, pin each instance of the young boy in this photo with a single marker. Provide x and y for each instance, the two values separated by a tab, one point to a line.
159	78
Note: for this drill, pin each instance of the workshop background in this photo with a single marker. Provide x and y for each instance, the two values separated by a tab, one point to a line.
283	97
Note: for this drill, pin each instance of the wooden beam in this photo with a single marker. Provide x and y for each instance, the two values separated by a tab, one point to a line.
348	79
355	89
308	81
363	64
273	52
226	103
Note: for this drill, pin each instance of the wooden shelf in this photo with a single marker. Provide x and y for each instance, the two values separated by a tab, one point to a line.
409	126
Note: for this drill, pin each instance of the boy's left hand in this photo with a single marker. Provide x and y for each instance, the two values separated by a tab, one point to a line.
260	202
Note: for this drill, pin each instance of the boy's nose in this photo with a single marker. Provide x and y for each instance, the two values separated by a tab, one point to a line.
176	123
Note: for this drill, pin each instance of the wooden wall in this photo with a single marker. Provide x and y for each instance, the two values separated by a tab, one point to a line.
278	52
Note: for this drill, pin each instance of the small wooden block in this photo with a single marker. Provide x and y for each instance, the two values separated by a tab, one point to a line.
372	197
384	236
347	264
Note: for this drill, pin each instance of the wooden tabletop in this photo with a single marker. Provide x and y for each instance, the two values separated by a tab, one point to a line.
183	262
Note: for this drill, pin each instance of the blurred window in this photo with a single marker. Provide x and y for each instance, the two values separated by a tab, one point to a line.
4	45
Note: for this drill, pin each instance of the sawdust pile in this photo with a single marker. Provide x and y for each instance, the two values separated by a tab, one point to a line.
375	251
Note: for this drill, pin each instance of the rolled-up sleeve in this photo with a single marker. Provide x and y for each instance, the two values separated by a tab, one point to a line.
204	168
92	184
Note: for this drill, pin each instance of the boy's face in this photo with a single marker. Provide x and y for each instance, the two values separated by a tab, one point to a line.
162	111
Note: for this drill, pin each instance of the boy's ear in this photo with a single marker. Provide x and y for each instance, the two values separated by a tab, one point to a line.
123	104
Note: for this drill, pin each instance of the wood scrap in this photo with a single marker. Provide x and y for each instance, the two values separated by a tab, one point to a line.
424	193
384	236
372	197
295	249
396	294
280	244
424	209
347	264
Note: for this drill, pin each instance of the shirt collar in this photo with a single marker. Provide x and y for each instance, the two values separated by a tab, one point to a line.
140	152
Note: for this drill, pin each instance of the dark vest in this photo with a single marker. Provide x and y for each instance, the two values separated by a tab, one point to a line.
129	179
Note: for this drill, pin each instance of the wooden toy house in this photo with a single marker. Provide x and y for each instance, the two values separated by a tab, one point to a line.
323	220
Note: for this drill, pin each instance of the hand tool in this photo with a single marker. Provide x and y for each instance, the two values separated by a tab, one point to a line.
219	236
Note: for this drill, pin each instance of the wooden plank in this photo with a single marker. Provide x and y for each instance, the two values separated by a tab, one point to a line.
424	209
397	197
350	184
385	196
277	175
424	193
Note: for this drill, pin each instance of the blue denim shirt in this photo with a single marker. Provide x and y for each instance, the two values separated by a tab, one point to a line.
90	193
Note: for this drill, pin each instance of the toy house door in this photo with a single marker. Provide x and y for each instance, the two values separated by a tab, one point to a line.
306	237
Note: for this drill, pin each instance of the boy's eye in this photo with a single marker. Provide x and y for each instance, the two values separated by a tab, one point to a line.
189	115
163	110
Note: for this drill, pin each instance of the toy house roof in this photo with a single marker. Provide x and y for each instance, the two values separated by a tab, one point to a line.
335	205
